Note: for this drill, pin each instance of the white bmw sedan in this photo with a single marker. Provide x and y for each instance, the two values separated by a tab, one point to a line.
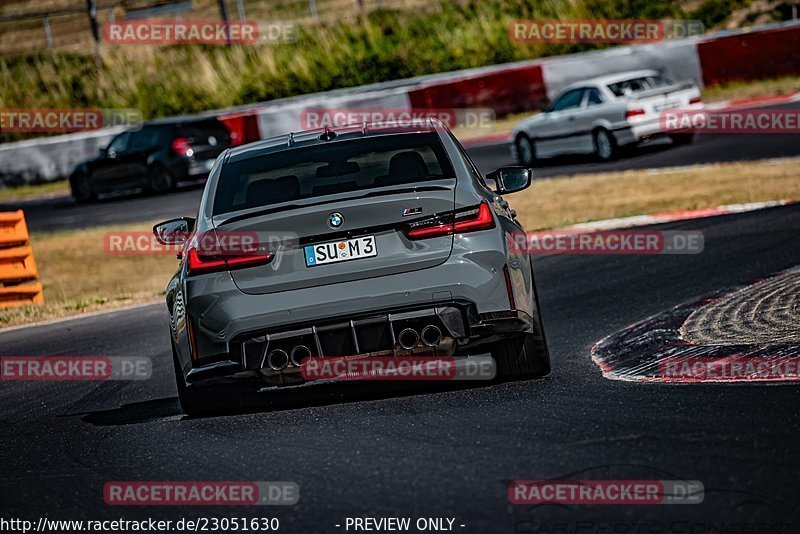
601	115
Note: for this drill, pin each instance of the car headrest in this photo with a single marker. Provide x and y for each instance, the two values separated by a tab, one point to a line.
338	169
272	191
409	164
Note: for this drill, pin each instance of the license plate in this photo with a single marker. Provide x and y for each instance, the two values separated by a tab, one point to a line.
666	105
336	251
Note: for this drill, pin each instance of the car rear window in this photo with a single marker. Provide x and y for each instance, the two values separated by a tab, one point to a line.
636	85
149	136
202	129
339	166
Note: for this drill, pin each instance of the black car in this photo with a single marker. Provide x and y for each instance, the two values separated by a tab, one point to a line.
155	157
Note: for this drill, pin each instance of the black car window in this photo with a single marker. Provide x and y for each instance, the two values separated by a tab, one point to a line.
119	144
593	97
569	100
636	85
200	132
340	166
471	164
146	138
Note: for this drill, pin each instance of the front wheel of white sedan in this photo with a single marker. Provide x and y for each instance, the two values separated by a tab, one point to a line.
605	145
526	152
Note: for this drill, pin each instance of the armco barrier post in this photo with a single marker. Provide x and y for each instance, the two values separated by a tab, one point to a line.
19	277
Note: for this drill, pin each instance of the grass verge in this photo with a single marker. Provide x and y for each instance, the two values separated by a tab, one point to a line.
752	89
563	201
79	276
28	191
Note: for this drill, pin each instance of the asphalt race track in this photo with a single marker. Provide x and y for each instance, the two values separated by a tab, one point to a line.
61	213
436	451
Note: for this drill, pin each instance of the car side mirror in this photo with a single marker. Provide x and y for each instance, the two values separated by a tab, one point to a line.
174	231
511	179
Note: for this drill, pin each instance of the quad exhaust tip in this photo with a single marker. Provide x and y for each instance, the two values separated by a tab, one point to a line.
278	359
431	335
300	353
408	338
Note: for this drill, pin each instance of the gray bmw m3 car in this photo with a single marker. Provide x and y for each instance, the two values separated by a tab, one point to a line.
379	241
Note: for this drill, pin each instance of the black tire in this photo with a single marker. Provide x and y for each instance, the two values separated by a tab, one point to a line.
159	180
81	188
210	400
527	355
682	139
526	150
519	357
191	402
605	145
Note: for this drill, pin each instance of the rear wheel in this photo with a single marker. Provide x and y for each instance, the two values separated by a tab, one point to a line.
192	401
81	188
605	145
159	180
526	150
523	356
208	400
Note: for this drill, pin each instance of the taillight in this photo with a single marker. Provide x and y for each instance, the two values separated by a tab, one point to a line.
696	100
200	263
457	222
634	112
182	147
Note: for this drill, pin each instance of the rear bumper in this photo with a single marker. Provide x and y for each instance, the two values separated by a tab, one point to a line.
189	169
471	279
464	332
651	126
221	313
632	133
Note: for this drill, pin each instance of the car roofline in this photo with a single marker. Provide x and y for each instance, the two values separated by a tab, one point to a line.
321	136
608	79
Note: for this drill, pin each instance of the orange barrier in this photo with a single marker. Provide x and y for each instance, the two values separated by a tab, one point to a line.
19	277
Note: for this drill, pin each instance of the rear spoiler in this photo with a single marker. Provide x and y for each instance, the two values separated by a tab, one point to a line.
680	86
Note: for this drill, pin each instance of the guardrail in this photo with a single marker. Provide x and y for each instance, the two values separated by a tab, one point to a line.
19	277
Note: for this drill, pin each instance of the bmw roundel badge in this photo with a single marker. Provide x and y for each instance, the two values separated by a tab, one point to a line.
335	219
